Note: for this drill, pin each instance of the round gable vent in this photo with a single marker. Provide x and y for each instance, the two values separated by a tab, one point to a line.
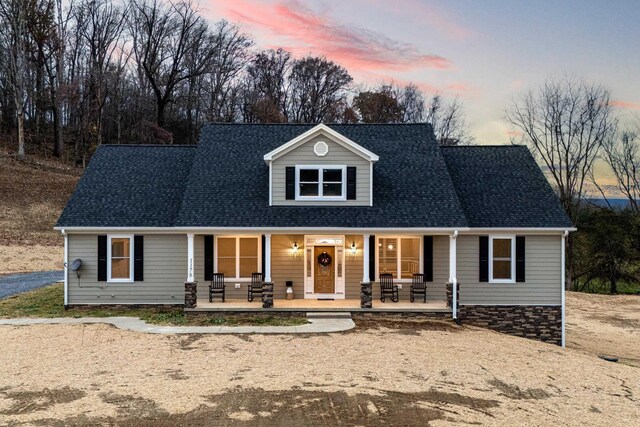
321	148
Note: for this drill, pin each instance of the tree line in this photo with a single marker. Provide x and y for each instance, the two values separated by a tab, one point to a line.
571	125
80	73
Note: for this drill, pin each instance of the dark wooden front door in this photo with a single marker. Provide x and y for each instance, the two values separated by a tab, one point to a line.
325	279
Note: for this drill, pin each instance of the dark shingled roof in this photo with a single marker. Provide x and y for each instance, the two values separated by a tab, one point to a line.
229	187
224	183
130	186
502	186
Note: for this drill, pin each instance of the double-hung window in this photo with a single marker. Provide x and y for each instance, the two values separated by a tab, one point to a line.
237	257
320	182
120	258
502	259
399	256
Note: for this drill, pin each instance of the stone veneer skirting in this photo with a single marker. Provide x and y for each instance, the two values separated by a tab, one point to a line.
190	294
543	323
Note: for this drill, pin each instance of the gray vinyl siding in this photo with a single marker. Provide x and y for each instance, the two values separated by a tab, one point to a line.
304	155
542	266
436	290
165	270
286	266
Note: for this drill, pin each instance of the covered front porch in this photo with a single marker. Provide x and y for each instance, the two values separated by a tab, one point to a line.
321	272
353	305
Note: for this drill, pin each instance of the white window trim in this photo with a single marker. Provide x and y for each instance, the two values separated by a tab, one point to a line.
131	258
513	258
320	182
237	277
399	257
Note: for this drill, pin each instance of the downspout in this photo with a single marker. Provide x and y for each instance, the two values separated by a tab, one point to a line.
66	267
562	285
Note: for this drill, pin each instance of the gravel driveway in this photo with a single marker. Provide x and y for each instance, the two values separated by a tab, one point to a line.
17	283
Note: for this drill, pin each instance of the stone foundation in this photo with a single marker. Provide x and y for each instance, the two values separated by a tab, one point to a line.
449	288
267	295
190	294
366	295
543	323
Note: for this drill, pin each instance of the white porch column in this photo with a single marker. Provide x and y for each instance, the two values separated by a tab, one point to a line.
190	267
267	258
365	259
453	279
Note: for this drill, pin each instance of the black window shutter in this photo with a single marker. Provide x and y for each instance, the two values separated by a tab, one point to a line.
290	185
208	257
372	258
428	258
264	245
102	258
520	259
138	258
484	258
351	183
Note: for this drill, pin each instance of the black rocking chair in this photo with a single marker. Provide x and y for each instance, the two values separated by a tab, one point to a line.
387	287
216	286
255	287
418	287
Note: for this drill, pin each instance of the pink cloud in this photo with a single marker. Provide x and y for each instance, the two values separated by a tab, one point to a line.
626	105
302	31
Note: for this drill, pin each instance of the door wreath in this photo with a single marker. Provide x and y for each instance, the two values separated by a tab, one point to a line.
324	259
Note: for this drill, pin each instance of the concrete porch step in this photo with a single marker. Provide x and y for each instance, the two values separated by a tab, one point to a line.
328	315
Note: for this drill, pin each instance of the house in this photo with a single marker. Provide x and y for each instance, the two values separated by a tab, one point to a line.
327	208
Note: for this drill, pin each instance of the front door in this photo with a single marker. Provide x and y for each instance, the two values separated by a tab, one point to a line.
325	270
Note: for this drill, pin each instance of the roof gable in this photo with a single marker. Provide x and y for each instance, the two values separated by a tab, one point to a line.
312	133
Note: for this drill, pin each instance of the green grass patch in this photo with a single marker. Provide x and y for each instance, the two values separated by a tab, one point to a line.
48	302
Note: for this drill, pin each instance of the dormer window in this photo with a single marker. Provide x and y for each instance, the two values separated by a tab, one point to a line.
325	182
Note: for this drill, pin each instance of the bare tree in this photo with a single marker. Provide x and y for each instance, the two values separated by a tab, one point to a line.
316	85
622	154
163	36
13	32
447	119
268	73
412	101
565	123
379	106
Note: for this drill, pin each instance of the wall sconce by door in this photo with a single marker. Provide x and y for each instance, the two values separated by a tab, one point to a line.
295	249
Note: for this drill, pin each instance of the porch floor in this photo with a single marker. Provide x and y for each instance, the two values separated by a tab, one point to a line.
322	305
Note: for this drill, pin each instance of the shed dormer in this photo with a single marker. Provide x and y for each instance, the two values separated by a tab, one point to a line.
320	167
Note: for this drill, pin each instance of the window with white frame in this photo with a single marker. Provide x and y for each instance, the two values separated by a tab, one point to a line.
120	258
399	256
237	257
502	259
321	182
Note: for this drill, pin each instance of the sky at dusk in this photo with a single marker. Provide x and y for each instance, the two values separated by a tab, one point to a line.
483	51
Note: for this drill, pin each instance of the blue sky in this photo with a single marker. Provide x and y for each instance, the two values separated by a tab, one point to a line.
486	52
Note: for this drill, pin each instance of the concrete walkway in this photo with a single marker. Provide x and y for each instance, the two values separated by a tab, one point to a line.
23	282
316	325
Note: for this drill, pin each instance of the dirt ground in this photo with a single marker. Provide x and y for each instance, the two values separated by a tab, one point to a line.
33	192
605	324
25	259
381	373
